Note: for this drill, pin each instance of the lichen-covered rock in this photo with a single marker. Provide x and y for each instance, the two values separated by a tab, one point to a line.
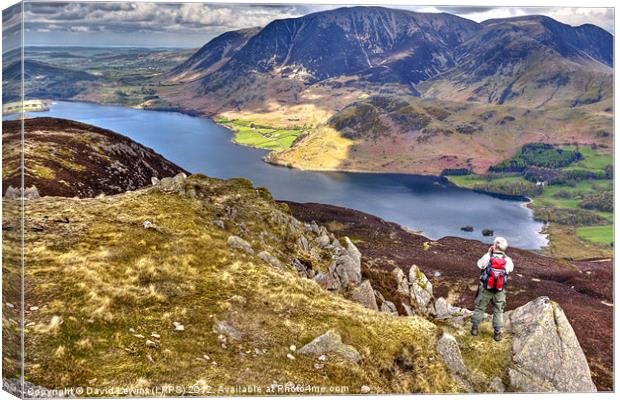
331	342
365	295
353	251
174	184
546	353
421	291
448	349
237	243
348	270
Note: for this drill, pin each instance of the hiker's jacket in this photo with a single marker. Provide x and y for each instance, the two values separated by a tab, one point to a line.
484	261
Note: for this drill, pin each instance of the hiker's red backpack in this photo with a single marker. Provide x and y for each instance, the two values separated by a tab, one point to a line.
494	276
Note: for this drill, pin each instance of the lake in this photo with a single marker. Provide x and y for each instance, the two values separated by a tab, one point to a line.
427	204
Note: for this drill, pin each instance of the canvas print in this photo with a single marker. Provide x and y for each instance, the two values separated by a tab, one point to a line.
209	199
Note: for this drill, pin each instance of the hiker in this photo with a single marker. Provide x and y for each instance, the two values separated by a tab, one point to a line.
496	265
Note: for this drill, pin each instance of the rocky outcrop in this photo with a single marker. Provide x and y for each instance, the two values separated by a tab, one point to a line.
365	295
421	291
546	353
330	342
30	193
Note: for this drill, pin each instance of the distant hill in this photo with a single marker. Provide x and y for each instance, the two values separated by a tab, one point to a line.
42	80
68	158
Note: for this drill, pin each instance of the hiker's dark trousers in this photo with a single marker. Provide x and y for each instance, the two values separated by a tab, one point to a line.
485	296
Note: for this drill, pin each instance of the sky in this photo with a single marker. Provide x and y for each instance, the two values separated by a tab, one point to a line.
194	24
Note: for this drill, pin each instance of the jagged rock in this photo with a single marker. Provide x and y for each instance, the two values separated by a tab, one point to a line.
448	349
224	328
269	259
497	386
300	267
546	353
323	241
31	193
327	281
237	243
348	270
389	307
155	181
303	243
12	193
408	310
402	284
421	291
353	251
331	342
457	315
365	295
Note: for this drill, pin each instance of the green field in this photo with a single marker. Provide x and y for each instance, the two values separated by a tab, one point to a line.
597	234
592	160
259	136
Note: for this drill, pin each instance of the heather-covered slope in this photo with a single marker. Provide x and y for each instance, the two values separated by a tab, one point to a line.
68	158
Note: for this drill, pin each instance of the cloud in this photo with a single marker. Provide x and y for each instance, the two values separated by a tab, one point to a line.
192	24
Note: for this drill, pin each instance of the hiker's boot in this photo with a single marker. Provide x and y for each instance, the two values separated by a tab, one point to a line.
474	330
498	336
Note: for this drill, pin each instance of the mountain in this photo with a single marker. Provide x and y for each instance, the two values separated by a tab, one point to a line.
533	60
489	61
68	158
381	43
212	55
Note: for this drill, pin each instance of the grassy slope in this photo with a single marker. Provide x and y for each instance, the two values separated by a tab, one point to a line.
102	275
576	242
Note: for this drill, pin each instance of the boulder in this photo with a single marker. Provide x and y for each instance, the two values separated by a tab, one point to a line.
12	193
174	184
421	291
269	259
496	385
327	281
331	342
237	243
323	241
348	270
365	295
546	353
389	307
448	349
353	251
31	193
402	283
